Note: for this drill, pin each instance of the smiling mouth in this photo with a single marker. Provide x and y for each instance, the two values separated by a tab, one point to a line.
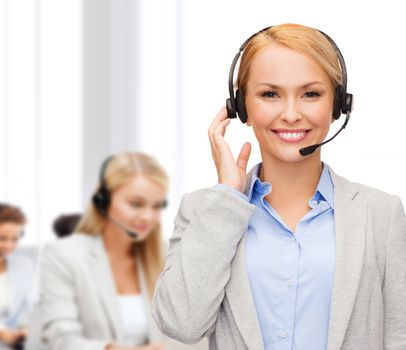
140	228
291	135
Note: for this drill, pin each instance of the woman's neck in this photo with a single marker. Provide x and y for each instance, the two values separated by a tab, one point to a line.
291	181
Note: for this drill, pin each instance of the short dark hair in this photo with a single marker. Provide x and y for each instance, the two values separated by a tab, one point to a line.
10	213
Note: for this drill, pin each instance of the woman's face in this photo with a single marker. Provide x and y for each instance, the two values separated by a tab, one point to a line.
137	205
10	234
289	101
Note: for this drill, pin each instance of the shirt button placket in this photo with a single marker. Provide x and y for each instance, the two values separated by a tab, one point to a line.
283	333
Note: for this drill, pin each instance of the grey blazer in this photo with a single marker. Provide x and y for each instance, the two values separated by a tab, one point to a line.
204	290
78	302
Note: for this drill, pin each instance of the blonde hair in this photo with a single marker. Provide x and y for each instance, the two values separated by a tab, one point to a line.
119	170
306	40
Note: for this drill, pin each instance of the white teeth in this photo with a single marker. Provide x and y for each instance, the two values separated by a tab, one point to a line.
291	135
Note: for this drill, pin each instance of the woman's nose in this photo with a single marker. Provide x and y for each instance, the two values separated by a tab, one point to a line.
148	214
291	112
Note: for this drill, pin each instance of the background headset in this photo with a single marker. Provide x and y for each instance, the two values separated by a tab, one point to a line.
101	198
235	104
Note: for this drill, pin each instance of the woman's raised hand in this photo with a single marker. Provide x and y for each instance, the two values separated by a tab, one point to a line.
230	172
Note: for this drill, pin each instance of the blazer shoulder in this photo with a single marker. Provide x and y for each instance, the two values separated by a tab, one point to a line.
375	194
353	189
75	246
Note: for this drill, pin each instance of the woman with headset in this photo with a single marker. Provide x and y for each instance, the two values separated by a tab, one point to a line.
16	277
290	255
96	284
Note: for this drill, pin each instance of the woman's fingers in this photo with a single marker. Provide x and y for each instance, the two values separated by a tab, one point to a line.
221	115
229	171
244	156
219	132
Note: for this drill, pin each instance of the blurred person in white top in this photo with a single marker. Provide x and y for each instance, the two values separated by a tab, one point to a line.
16	277
97	284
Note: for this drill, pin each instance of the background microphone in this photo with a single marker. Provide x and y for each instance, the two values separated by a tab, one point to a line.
131	234
305	151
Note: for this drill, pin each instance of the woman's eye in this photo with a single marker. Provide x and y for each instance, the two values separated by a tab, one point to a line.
270	94
161	205
311	94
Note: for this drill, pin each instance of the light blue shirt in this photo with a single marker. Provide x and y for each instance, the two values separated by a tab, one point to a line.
291	273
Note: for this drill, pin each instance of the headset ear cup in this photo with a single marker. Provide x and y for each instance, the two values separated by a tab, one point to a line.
231	112
347	103
338	98
242	111
101	201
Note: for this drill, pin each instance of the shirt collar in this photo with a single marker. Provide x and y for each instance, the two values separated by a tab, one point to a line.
324	190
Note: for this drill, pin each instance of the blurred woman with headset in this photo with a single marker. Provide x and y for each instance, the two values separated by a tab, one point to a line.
290	255
16	278
96	284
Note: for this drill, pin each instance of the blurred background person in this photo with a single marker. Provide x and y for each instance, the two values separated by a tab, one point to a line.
65	224
96	284
16	276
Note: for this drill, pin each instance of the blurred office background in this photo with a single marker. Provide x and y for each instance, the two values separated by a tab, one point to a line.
82	79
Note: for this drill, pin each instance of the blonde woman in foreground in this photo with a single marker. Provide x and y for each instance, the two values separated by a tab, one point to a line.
290	255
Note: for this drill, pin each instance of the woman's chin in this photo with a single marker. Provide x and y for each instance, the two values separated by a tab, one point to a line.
288	154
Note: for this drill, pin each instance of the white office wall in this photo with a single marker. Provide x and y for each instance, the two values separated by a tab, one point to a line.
40	110
154	76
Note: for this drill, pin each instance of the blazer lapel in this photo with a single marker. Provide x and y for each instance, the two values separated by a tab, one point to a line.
350	225
239	295
105	286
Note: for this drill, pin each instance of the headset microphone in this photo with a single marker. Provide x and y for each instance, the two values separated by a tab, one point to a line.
131	234
305	151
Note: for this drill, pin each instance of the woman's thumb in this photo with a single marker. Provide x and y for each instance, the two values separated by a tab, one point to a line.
243	157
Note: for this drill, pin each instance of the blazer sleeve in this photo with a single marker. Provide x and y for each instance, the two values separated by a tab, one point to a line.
61	327
208	227
394	288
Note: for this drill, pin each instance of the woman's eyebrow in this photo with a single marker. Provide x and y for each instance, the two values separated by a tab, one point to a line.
312	83
273	86
143	199
138	198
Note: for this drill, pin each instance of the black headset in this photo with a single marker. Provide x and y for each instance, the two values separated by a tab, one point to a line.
236	103
101	198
